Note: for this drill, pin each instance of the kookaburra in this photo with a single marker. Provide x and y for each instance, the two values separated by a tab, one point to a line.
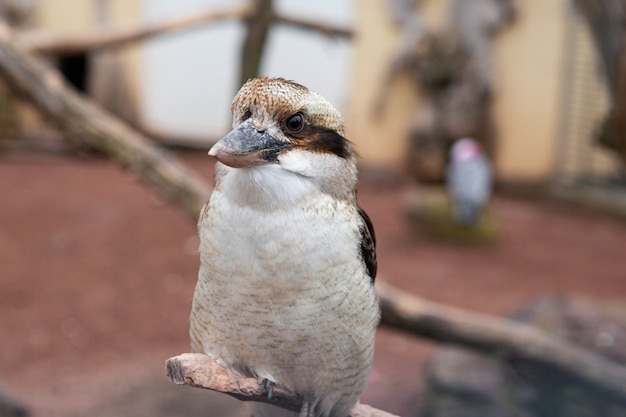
469	181
285	289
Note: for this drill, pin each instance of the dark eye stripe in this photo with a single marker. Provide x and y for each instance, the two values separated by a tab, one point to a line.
317	139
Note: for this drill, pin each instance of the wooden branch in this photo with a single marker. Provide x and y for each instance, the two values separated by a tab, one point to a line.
501	337
305	24
258	23
100	39
88	124
258	16
48	43
201	371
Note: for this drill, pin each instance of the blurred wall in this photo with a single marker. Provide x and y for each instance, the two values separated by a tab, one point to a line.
528	88
114	76
182	84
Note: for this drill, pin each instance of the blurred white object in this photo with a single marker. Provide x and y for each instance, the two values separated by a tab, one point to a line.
469	180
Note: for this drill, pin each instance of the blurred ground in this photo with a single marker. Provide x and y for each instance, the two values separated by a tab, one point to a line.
97	275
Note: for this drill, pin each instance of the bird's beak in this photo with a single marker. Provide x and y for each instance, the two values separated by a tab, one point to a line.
245	146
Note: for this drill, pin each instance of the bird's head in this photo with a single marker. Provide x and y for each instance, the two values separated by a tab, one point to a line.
465	149
279	124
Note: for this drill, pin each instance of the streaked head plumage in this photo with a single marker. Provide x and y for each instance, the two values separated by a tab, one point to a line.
274	116
284	132
279	98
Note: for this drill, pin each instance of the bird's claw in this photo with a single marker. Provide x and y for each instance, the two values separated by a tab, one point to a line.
269	385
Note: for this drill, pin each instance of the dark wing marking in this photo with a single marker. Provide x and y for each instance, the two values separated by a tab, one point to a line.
368	245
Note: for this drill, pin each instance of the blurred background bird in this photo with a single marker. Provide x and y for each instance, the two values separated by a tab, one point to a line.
285	289
469	181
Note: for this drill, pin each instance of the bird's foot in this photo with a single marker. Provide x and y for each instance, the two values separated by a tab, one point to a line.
268	385
305	411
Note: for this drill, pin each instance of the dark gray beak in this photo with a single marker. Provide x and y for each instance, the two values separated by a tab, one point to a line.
245	146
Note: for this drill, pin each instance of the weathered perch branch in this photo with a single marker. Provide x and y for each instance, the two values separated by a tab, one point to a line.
198	370
99	39
90	125
502	337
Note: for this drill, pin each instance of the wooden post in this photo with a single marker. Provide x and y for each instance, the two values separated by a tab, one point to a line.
258	23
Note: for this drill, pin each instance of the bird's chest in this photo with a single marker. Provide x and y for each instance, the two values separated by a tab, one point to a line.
274	287
264	259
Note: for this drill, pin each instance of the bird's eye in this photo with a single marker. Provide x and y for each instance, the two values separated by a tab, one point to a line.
295	123
247	115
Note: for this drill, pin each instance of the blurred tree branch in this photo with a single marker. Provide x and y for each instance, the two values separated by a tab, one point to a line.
258	23
322	28
502	337
451	67
258	15
202	371
44	42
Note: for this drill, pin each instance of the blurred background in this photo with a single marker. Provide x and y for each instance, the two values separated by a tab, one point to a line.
97	270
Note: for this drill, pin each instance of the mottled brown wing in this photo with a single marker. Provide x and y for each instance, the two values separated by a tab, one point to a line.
368	245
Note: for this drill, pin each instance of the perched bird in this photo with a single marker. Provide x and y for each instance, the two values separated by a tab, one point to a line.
285	289
469	181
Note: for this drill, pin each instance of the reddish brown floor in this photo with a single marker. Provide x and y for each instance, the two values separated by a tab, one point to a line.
97	274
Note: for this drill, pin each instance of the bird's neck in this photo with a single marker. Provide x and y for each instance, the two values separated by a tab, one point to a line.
270	188
264	188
